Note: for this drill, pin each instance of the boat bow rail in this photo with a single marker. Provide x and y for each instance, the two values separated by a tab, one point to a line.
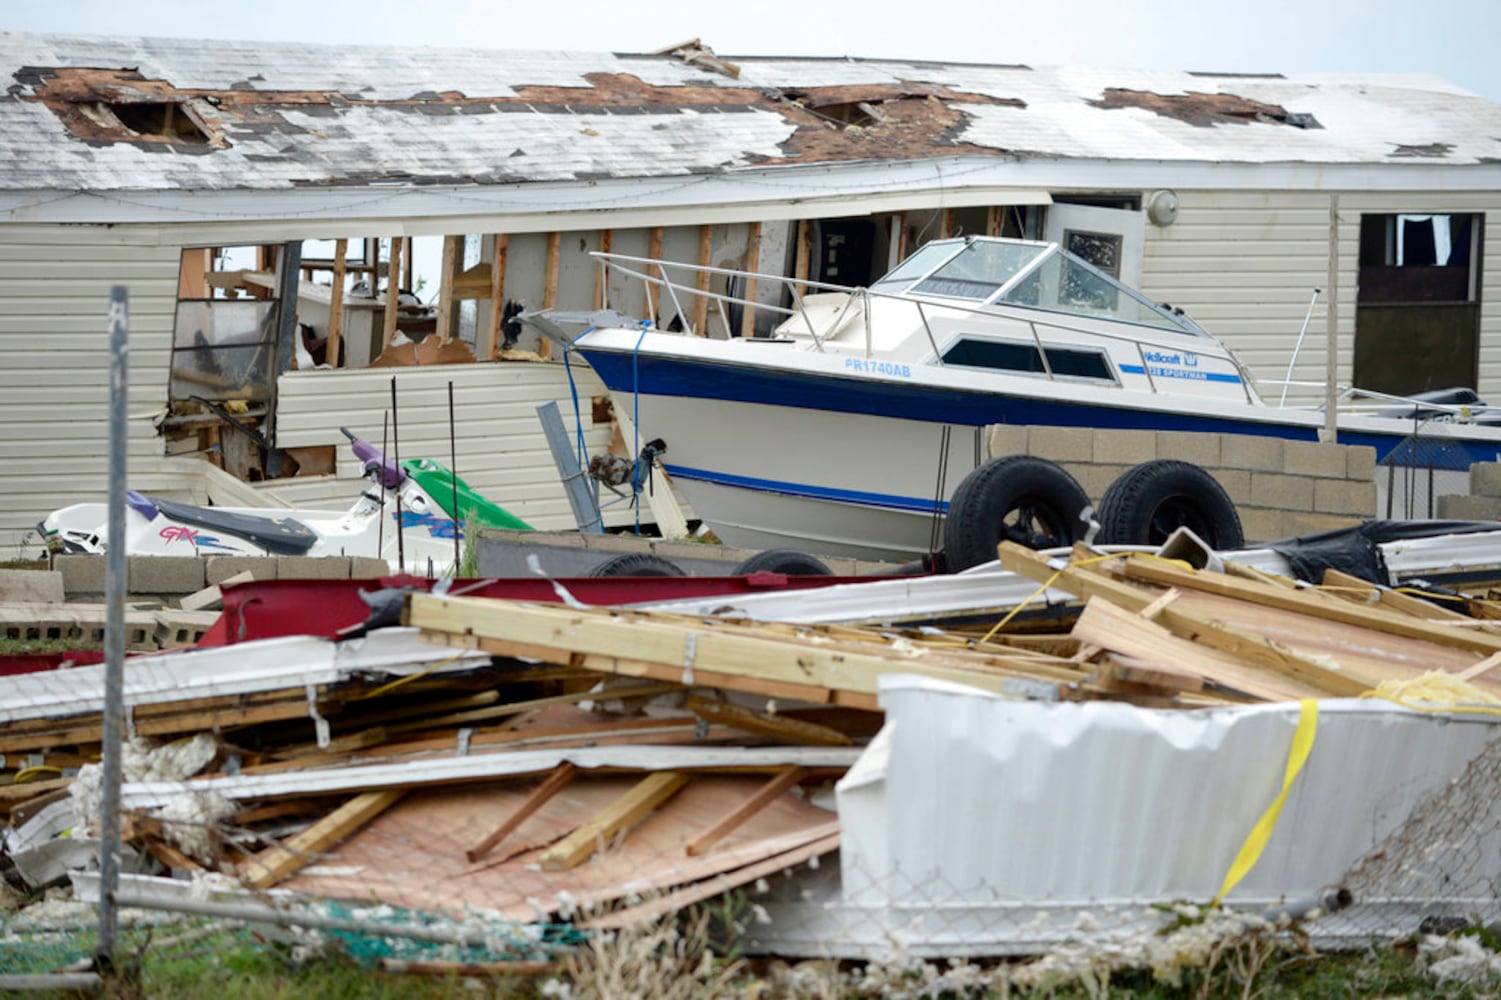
1132	341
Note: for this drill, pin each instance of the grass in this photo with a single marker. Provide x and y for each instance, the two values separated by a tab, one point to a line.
20	647
672	961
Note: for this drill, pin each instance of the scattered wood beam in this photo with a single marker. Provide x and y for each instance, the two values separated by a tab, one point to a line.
336	305
302	849
538	798
778	727
580	845
762	797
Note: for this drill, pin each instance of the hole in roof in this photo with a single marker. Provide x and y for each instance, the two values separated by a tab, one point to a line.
166	119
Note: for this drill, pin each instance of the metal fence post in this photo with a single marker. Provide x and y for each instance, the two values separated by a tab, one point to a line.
114	632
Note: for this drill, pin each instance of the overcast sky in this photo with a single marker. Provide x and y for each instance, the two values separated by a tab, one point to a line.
1454	39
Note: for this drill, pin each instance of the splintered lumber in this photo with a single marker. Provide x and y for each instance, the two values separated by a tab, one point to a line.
1111	627
714	653
764	795
1246	646
778	727
576	848
539	797
302	849
715	885
1164	573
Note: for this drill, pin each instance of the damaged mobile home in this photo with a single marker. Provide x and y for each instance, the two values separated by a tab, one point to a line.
263	205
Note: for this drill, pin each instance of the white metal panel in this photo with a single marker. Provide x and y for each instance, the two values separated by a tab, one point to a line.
501	451
1066	820
54	396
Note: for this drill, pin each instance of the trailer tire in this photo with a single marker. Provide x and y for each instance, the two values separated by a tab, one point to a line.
1018	498
789	562
637	564
1151	500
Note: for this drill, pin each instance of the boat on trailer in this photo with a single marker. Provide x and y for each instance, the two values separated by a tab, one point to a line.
848	426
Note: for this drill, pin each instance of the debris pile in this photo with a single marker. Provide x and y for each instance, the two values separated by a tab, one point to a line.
541	763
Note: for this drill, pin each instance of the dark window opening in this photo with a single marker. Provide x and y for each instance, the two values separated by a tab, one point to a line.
159	118
1417	313
1012	356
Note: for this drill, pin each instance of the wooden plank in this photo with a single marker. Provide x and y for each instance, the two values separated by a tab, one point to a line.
701	282
653	271
451	248
538	798
302	849
671	522
763	796
715	885
1480	669
336	304
993	220
802	261
393	287
1165	573
499	249
550	285
601	282
778	727
666	649
1242	645
1111	627
752	266
576	848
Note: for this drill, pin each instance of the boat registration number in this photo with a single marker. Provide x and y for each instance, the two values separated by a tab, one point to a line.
867	367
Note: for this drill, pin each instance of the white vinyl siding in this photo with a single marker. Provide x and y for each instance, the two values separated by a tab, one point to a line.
501	450
1245	264
54	370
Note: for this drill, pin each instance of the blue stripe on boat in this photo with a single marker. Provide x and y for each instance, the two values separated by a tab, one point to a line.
1197	376
890	501
697	378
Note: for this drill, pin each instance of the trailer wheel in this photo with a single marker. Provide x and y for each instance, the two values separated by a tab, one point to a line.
1019	498
1151	500
637	564
789	562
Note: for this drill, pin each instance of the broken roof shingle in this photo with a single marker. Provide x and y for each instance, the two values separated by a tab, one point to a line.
279	116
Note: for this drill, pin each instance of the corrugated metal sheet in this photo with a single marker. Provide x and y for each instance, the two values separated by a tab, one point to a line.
1068	822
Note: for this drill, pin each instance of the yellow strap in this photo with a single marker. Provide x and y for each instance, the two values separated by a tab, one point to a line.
1297	756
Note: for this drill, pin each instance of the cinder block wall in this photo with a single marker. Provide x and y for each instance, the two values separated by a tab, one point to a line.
1280	488
1483	503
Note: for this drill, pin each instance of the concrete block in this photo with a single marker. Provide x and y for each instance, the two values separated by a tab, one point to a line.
1235	482
221	568
1314	458
1292	493
1061	444
1006	439
1202	450
1341	496
33	586
81	574
1460	507
312	567
1295	525
1485	479
1260	524
1360	462
164	574
1123	446
1096	479
367	568
1244	451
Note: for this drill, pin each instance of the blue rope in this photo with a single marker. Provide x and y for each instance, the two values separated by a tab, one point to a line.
636	423
578	417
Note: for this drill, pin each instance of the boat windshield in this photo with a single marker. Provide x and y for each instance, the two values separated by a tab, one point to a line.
973	269
1064	283
1032	275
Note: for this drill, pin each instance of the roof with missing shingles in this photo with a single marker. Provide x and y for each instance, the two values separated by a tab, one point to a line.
124	114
